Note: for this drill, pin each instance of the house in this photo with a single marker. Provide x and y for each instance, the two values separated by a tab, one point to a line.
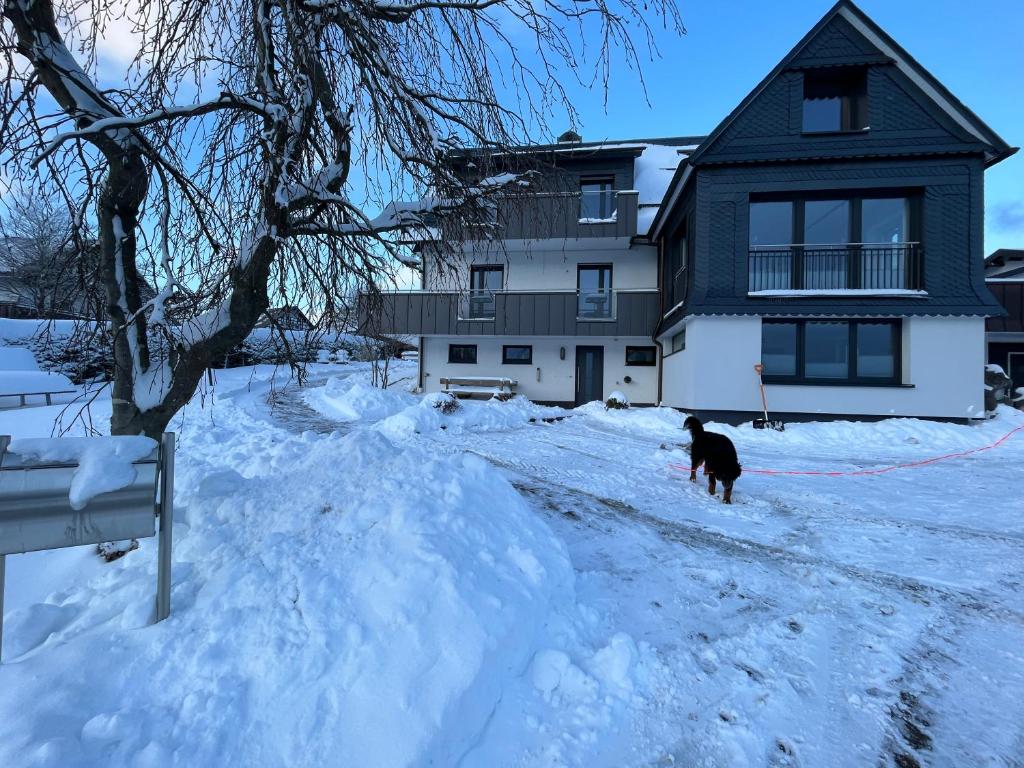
1004	276
286	318
830	227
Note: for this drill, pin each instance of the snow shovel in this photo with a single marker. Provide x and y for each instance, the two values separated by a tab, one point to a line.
766	423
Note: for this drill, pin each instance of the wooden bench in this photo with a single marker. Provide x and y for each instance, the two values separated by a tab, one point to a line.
481	388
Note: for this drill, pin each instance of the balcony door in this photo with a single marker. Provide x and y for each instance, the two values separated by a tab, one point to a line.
589	374
484	282
823	243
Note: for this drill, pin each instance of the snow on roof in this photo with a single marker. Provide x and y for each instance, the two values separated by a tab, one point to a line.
652	173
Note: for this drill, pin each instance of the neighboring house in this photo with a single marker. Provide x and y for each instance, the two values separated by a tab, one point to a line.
287	318
44	286
1004	275
830	227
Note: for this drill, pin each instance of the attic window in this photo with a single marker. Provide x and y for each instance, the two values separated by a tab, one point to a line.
835	100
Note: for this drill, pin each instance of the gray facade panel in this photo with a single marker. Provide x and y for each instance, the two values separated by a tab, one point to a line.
516	314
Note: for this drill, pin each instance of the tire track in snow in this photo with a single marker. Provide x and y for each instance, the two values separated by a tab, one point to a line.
699	537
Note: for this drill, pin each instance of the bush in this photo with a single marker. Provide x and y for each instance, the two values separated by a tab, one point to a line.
445	402
616	401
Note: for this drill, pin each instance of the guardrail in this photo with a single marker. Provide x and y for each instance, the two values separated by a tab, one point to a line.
36	514
871	266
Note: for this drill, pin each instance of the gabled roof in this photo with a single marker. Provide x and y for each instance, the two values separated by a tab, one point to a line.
906	63
1005	263
998	149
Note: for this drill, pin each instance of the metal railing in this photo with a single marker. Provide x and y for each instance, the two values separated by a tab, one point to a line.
850	266
595	305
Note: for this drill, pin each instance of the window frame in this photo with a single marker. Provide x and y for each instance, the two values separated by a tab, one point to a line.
475	269
504	354
913	200
634	348
852	84
451	347
852	379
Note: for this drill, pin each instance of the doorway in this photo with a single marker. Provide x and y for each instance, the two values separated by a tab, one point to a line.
589	374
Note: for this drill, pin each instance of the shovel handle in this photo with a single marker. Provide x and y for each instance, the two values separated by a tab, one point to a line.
759	369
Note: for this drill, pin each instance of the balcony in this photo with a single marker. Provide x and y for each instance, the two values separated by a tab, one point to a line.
510	313
853	268
548	215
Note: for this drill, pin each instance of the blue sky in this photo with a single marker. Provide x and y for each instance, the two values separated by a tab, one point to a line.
976	50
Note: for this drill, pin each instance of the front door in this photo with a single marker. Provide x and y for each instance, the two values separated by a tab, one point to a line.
589	374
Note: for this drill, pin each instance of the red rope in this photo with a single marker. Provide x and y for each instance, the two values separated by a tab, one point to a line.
879	471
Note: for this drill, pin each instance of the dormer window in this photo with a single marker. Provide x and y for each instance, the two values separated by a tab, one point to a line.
597	199
835	100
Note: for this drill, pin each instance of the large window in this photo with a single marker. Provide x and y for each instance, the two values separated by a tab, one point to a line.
484	281
516	354
831	351
462	353
594	292
835	99
597	199
829	242
641	355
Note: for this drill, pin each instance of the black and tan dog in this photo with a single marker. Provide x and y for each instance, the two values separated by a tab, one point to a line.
717	454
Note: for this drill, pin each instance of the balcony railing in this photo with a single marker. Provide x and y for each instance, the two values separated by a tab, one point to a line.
851	266
598	205
595	305
611	213
477	304
511	313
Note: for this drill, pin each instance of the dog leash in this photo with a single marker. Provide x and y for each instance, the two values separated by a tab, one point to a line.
878	471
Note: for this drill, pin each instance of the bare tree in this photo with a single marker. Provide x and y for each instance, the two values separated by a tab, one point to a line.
257	148
37	254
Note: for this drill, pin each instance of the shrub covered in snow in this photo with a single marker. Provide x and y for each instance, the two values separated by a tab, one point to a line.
445	402
617	401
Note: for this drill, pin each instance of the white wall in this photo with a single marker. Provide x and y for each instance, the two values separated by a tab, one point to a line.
557	377
537	269
943	360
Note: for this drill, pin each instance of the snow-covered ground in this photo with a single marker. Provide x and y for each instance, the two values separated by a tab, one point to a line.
363	580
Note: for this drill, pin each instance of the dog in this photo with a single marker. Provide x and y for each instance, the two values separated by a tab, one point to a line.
717	454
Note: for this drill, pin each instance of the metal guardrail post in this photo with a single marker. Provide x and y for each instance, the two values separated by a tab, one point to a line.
163	572
5	440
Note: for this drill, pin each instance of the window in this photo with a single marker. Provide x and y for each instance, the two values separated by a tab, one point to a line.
826	242
679	340
835	99
778	348
641	355
484	281
831	351
594	292
462	353
676	263
597	198
516	355
826	224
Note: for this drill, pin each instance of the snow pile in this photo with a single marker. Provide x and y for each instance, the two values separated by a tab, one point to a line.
17	359
472	415
664	421
336	601
653	171
105	464
351	399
